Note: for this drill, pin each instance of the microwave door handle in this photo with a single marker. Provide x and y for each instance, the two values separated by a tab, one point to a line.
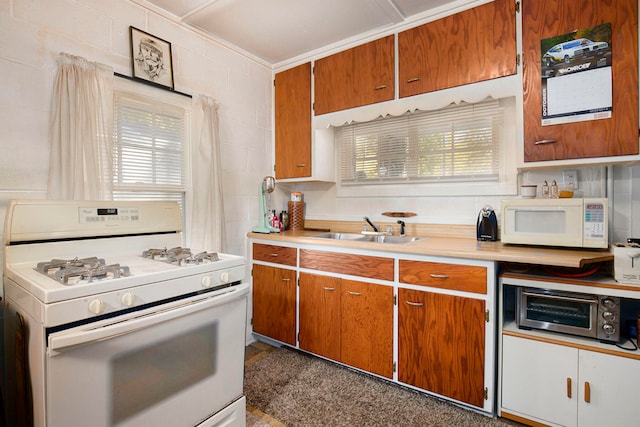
559	297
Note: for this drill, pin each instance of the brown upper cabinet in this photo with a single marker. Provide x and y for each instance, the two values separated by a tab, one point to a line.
355	77
471	46
293	122
615	136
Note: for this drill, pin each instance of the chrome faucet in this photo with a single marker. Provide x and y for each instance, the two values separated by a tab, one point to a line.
371	224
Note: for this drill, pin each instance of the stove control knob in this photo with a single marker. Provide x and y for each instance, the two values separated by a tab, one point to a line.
128	299
96	306
206	281
609	303
608	316
224	277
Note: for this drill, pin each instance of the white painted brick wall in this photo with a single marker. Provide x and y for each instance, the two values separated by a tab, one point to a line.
34	32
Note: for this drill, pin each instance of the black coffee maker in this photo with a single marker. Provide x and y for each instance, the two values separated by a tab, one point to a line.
487	228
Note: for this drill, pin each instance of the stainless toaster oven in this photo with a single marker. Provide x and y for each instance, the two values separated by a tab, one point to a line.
588	315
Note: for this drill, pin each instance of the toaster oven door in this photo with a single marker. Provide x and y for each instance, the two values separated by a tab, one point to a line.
570	313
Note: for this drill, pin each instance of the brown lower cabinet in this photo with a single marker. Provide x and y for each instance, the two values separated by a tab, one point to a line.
347	321
320	315
441	344
274	303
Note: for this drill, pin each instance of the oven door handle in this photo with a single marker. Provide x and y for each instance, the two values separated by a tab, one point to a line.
73	338
559	297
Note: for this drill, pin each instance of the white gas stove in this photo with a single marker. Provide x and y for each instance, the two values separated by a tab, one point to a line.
77	273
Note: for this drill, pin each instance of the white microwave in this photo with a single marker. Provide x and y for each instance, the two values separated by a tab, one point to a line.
578	223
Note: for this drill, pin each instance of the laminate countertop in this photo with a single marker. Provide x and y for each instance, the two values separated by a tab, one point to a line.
453	247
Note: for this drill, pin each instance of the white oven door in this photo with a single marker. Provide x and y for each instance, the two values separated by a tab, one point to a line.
172	365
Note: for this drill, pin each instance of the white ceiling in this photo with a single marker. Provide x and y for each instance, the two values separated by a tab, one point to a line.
279	30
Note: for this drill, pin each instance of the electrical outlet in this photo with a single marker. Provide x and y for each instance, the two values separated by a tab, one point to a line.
570	176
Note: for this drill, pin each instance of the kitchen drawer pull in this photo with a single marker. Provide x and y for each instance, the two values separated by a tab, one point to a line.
284	279
329	289
569	387
415	304
439	276
587	392
546	141
301	165
380	87
355	293
273	255
413	79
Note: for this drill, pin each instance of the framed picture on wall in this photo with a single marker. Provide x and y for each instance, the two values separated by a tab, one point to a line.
151	58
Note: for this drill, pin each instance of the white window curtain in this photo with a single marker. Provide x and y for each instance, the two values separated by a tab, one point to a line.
81	165
207	225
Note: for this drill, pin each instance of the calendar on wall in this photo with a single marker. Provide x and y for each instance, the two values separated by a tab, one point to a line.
576	76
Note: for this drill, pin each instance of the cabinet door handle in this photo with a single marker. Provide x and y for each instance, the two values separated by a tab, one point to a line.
587	392
301	165
329	289
569	387
413	79
546	141
284	279
355	293
415	304
380	87
439	276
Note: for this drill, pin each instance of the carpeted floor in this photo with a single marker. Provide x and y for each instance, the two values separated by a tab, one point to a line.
285	387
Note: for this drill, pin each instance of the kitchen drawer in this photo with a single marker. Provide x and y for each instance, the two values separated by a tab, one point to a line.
276	254
356	265
467	278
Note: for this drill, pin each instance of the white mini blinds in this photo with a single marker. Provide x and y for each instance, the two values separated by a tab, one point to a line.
456	143
149	149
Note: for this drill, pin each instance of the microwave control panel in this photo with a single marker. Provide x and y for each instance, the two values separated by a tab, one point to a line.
594	220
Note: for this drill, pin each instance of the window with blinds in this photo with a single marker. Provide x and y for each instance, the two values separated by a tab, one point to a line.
456	144
149	150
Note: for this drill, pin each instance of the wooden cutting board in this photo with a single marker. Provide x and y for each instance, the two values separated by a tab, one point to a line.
399	214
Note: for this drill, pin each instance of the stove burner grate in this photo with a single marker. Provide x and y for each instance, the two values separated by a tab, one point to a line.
180	256
77	270
50	267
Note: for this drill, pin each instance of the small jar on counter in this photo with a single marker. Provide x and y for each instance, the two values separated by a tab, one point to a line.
554	190
545	190
284	220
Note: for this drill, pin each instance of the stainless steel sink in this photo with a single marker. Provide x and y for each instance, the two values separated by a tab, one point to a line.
402	240
399	240
344	236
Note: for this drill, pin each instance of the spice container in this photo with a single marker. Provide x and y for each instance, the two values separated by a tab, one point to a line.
554	190
545	190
